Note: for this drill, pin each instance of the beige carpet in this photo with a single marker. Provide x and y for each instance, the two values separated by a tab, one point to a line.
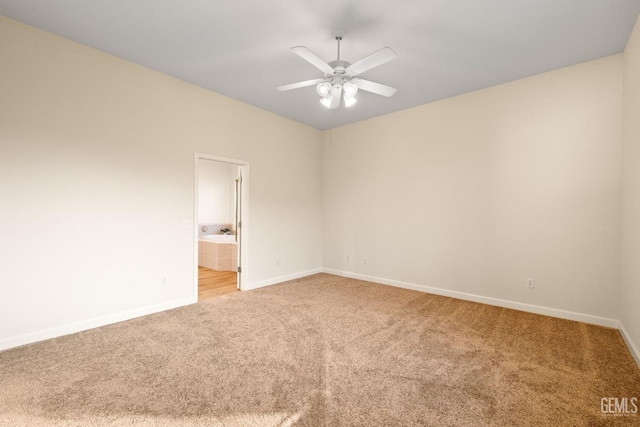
323	351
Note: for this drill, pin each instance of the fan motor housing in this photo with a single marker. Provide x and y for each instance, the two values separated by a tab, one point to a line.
340	74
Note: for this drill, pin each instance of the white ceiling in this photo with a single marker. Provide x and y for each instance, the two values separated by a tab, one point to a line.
241	48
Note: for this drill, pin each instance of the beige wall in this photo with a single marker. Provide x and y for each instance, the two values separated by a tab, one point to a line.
474	194
97	176
630	283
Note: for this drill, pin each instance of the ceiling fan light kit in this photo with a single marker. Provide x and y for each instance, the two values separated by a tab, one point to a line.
350	89
340	76
324	88
348	102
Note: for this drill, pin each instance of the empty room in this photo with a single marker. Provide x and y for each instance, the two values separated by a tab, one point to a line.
336	213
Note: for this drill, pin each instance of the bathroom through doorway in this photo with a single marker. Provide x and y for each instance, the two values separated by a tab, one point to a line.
220	225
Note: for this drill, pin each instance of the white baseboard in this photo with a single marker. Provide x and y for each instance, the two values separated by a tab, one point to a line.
30	338
59	331
281	279
553	312
627	339
73	328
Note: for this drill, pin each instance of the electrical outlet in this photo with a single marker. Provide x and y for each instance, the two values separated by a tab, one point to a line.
164	281
366	260
187	223
531	283
347	258
277	262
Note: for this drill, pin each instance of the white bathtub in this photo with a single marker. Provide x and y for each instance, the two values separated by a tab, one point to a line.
220	238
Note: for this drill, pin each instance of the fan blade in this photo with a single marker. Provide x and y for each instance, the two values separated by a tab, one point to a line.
311	57
336	93
377	58
374	87
299	84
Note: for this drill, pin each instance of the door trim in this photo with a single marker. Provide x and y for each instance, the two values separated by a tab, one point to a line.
243	256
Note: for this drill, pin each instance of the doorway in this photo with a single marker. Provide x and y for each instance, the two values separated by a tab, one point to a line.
220	218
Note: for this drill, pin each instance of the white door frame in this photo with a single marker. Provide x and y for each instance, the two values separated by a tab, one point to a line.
243	256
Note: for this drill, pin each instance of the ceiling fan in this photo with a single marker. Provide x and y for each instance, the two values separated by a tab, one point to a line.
340	76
